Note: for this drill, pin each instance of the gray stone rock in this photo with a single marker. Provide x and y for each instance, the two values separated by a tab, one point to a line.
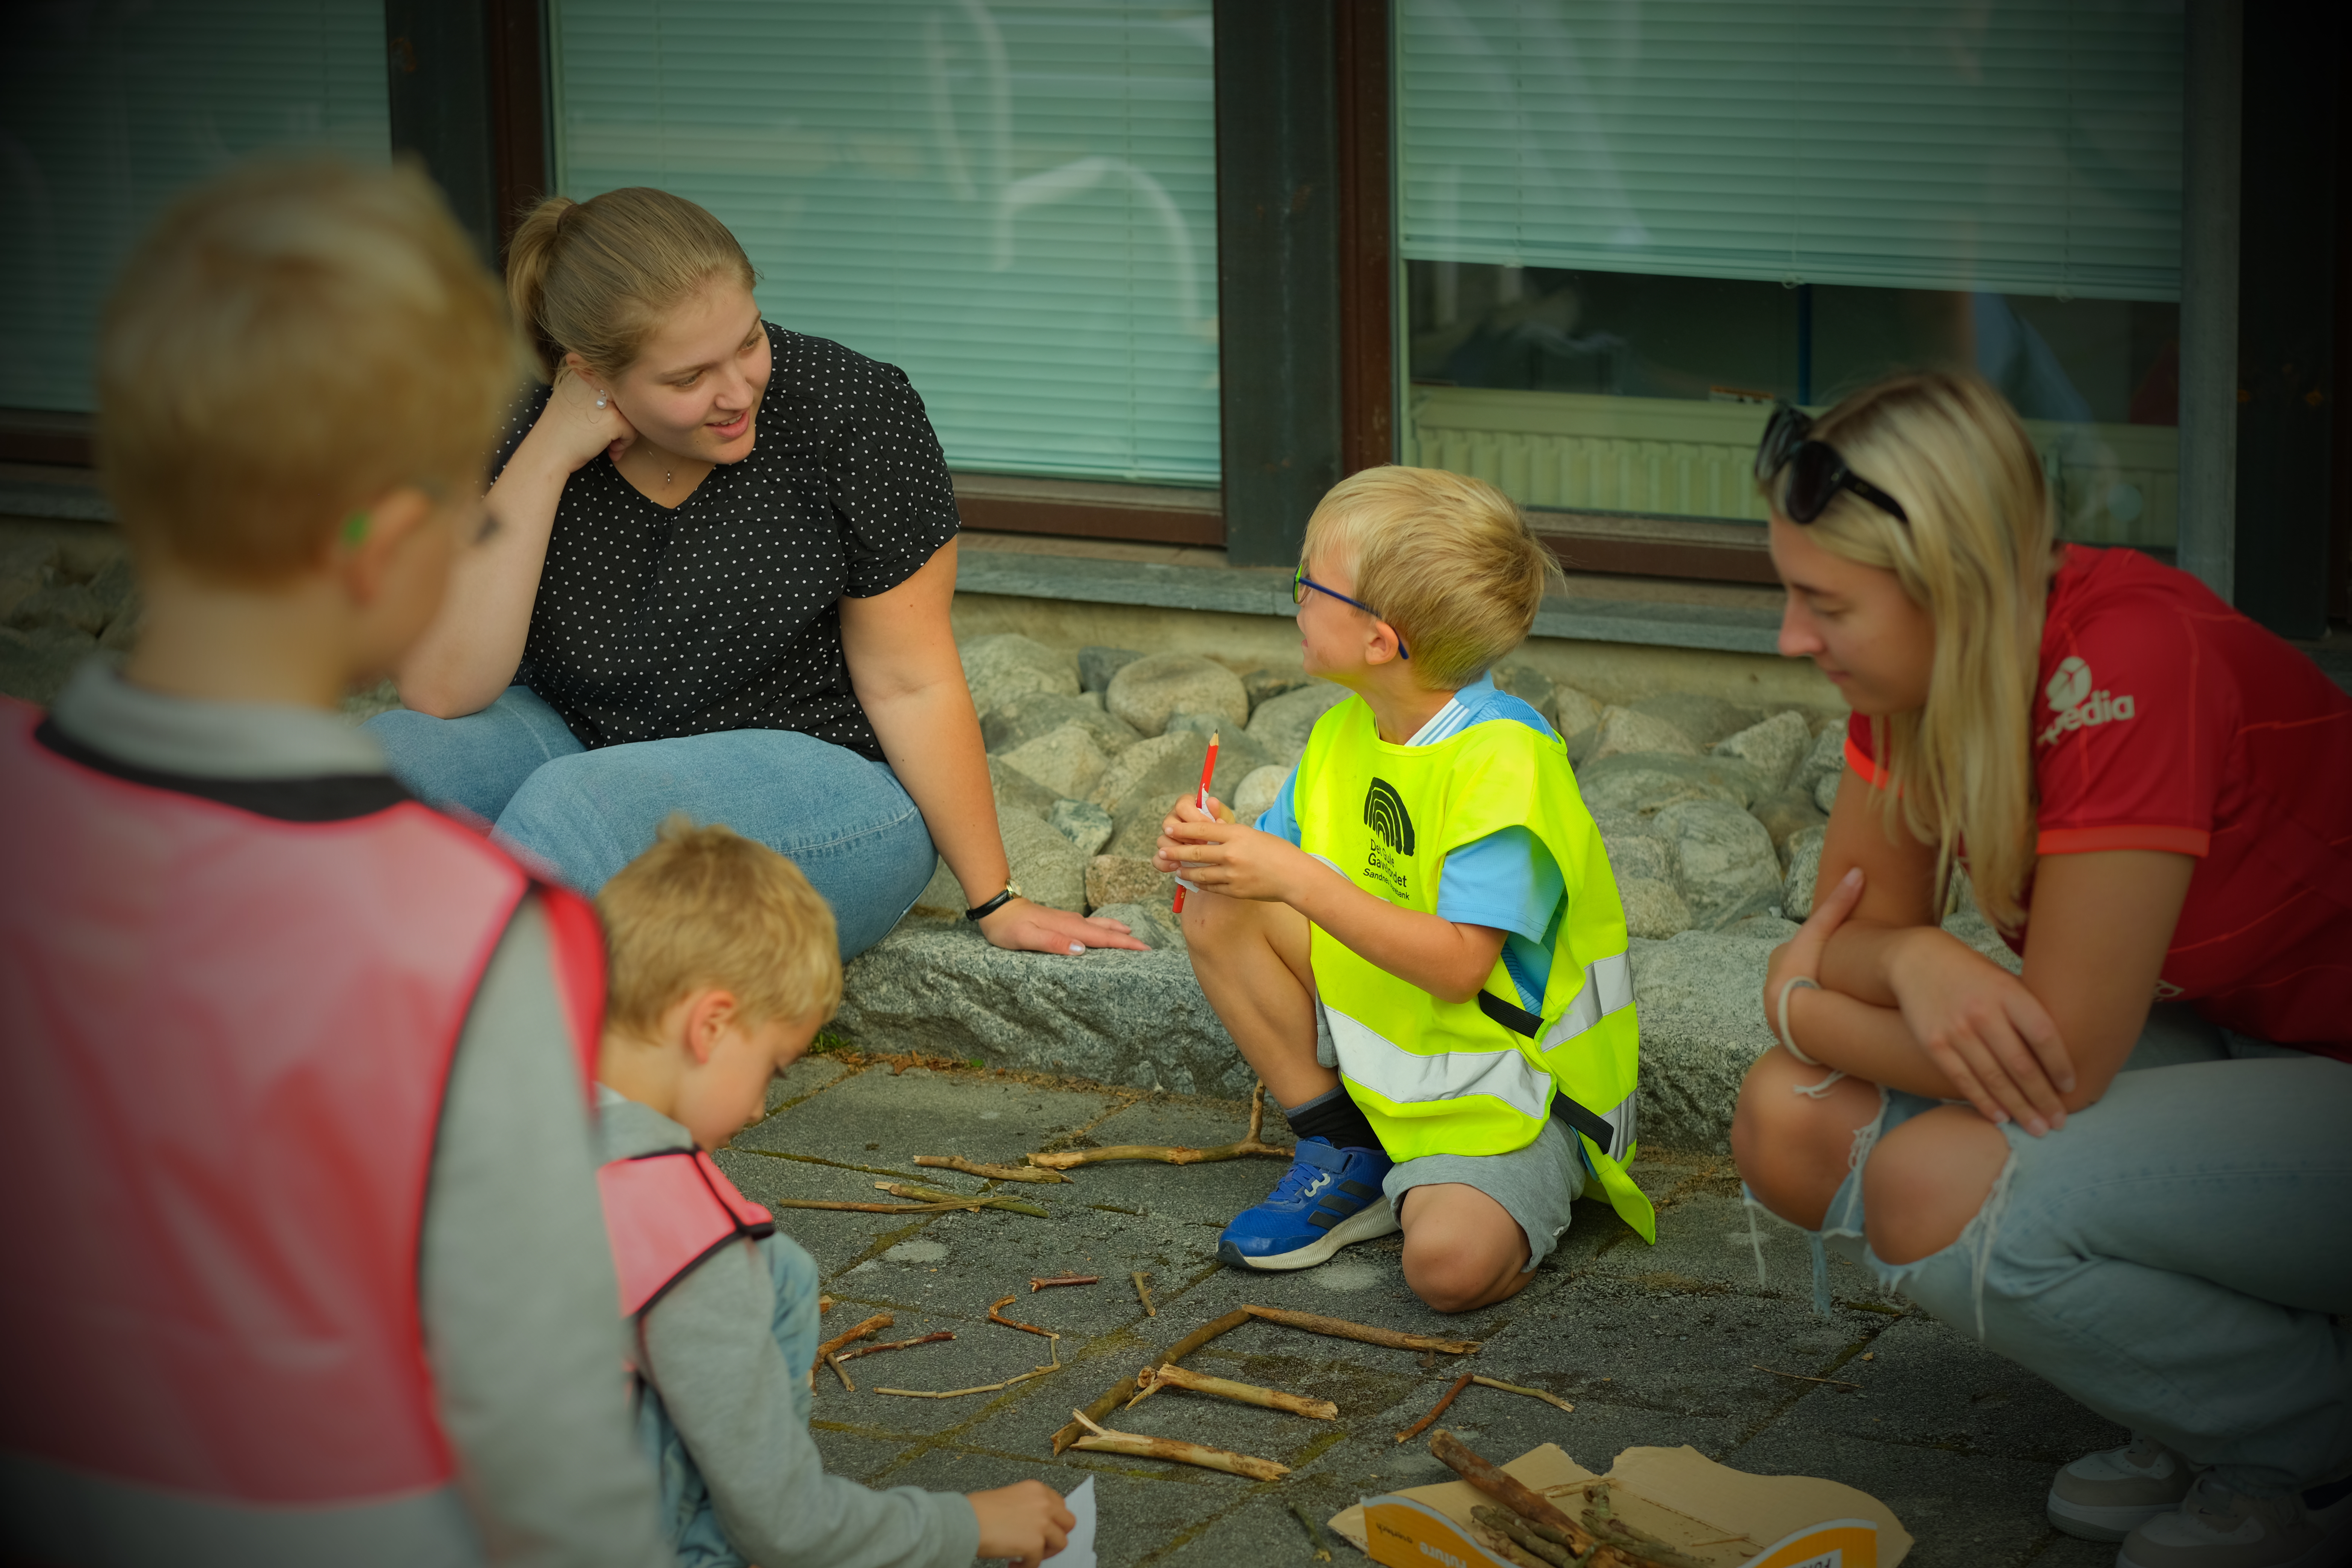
35	666
1825	793
1153	689
1826	755
1724	864
1652	909
1700	1000
1785	814
1705	718
1528	684
1035	713
1155	925
1257	790
1098	665
1765	926
1804	866
1001	668
1578	719
1282	724
1048	866
1772	748
1142	784
1624	732
364	704
1264	685
1642	783
1083	823
1016	791
1125	879
1133	1018
1640	858
1066	761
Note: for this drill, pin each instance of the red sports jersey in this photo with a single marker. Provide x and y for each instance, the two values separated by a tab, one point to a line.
2168	720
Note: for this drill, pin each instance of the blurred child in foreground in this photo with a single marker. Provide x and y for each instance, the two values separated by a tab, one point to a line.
293	1110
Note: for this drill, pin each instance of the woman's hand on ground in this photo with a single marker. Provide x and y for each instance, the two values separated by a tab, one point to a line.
1022	926
1215	853
572	429
1025	1522
1984	1031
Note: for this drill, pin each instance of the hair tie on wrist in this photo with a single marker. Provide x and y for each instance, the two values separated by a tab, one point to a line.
1787	1041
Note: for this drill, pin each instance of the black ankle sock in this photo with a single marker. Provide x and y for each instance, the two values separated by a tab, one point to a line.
1335	1117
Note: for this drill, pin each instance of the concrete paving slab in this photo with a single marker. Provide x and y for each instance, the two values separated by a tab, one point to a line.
1965	1511
1144	1507
1930	1386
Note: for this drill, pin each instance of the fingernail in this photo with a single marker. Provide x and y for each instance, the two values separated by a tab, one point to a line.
2037	1127
1999	1118
1078	947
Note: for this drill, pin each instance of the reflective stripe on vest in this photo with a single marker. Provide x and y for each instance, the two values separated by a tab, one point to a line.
664	1213
230	1036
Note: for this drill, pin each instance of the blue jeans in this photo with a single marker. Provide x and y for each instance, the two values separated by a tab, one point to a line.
689	1521
844	821
2171	1256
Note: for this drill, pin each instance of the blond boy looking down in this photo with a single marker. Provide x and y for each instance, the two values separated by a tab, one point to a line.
1419	947
724	965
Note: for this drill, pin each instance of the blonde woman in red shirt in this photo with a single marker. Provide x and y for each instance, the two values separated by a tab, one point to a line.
2126	1167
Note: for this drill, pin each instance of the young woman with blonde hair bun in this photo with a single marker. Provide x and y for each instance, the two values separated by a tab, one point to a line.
2124	1166
719	584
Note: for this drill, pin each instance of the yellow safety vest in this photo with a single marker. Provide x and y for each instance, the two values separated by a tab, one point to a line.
1479	1077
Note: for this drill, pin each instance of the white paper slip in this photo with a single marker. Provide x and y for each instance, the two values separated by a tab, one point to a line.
1080	1551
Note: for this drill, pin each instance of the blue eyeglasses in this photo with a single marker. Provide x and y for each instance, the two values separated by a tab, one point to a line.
1300	582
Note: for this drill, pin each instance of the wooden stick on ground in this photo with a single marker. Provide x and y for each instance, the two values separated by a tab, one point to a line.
1340	1328
1318	1542
1037	1283
1174	1155
1100	1440
993	1172
835	1361
868	1208
1530	1393
1800	1377
872	1325
840	1356
960	1393
957	1200
1522	1534
1436	1410
1027	1328
1125	1389
1143	1294
1242	1393
825	1304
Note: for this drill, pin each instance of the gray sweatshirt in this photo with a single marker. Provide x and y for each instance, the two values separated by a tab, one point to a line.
708	1349
516	1284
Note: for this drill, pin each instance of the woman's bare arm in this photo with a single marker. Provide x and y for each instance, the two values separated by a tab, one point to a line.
904	667
469	654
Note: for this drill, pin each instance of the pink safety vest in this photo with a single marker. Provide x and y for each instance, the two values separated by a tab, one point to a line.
664	1213
227	1035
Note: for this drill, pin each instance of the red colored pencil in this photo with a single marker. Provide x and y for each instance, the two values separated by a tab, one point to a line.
1208	770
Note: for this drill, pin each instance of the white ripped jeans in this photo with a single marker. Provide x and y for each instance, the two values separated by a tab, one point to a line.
2178	1256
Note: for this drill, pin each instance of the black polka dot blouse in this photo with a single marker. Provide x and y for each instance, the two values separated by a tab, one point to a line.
725	612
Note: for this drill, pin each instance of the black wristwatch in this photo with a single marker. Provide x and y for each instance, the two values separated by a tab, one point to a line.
982	911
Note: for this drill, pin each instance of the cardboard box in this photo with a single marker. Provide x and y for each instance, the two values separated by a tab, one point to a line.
1709	1512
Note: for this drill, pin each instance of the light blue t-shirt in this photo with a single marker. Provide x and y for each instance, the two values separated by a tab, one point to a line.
1506	879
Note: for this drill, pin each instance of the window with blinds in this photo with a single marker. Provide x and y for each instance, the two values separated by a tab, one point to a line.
1015	204
108	111
1630	225
2023	147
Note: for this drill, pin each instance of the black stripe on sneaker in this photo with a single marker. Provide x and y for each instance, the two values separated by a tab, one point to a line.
1357	1190
1323	1218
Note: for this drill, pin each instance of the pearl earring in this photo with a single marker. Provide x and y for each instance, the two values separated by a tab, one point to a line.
603	398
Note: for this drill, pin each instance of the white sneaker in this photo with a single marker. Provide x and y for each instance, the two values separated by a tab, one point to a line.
2105	1496
2216	1528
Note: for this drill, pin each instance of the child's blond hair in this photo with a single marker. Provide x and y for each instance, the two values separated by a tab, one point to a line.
708	907
292	342
1445	559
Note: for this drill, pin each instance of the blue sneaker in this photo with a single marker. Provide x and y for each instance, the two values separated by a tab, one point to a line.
1330	1197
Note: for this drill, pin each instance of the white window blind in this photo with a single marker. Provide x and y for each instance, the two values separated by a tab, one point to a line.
2019	147
1014	204
108	111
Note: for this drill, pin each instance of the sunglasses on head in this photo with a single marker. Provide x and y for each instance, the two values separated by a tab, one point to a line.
1816	472
1300	582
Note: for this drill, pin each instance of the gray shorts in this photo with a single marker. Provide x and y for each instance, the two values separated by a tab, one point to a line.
1535	1184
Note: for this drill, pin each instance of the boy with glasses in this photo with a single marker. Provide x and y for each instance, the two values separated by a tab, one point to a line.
1419	947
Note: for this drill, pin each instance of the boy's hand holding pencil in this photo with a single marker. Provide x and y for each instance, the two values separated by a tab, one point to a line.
1212	852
